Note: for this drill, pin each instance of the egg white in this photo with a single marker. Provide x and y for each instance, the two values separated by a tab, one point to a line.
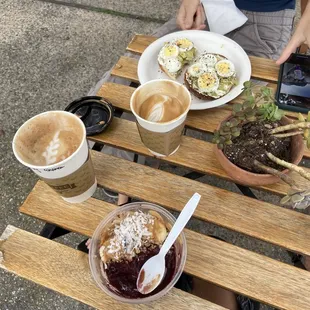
162	57
228	65
197	69
182	49
208	59
173	65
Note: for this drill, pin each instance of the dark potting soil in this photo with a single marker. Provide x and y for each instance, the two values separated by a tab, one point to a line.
253	142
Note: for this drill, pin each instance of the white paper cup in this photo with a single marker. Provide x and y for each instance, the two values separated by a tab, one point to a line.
162	139
73	178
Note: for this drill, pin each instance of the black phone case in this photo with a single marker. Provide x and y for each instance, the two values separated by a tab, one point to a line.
283	106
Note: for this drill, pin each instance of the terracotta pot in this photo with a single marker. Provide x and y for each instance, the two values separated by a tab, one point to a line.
255	179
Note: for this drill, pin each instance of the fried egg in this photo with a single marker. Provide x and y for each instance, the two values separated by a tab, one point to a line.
208	59
169	51
184	44
208	82
197	69
225	68
173	65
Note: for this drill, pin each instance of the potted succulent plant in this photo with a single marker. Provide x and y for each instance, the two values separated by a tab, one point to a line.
257	145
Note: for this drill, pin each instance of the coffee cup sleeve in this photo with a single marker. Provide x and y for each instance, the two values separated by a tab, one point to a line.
75	183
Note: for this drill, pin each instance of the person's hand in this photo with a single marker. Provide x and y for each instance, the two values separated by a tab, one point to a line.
301	35
191	15
199	22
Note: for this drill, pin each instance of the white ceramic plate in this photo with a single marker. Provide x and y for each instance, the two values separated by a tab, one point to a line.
204	41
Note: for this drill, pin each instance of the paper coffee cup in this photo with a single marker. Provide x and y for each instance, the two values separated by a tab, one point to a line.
161	138
73	176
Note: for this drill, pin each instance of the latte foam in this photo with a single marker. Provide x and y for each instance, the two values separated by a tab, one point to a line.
48	138
161	108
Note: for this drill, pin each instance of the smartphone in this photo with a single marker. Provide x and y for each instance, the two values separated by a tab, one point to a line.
293	92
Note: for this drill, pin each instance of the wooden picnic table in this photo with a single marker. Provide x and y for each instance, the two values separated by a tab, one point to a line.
66	270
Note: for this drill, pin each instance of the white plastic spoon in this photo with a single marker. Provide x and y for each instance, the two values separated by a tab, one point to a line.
153	270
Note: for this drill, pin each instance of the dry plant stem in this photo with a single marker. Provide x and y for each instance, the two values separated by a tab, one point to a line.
288	134
290	126
285	178
290	166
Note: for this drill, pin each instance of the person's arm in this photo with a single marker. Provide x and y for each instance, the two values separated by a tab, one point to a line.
191	15
301	35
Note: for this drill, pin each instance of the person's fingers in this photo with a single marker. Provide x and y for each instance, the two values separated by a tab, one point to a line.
203	18
290	48
181	17
296	40
198	20
190	11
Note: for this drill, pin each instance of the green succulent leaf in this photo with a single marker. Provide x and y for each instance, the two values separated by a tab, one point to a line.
285	200
235	134
247	84
266	92
251	118
297	198
237	107
222	139
235	129
270	112
234	122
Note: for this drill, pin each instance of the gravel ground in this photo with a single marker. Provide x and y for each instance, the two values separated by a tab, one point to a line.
51	54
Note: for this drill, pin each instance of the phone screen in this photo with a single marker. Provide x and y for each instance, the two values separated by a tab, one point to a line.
295	82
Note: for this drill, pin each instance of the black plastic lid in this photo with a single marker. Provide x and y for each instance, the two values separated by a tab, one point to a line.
95	112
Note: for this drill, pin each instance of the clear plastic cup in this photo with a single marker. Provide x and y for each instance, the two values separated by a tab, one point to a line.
96	265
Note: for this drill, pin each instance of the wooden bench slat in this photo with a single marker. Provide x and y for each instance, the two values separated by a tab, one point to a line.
265	69
229	266
252	217
65	270
125	135
205	120
126	68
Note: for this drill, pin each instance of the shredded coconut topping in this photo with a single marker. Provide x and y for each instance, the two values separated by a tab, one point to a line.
129	234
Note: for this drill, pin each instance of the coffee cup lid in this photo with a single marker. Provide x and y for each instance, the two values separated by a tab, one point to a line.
95	112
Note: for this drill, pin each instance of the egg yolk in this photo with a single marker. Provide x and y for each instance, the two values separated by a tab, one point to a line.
196	69
206	80
223	67
184	43
171	50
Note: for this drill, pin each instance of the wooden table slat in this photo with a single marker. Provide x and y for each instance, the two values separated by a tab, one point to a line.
126	68
265	69
125	135
262	220
205	120
231	267
66	270
139	43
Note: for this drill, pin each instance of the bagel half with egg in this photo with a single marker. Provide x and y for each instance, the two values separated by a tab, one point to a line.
174	55
212	76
